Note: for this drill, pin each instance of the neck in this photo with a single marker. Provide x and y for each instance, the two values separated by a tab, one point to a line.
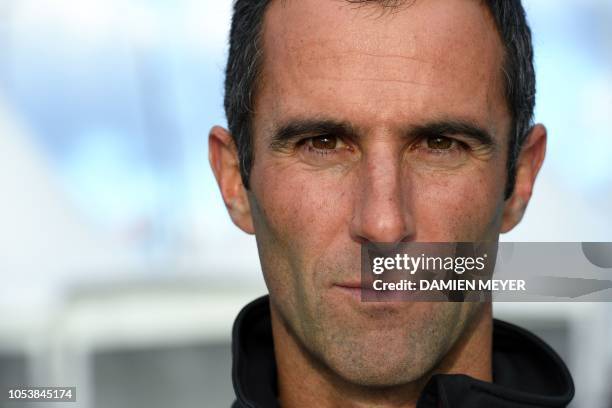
305	381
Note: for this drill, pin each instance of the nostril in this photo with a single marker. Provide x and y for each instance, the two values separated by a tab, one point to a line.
390	228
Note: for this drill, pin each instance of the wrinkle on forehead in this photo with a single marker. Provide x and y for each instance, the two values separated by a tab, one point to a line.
356	65
440	52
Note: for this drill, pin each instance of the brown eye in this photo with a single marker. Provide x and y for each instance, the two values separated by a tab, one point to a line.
324	142
439	143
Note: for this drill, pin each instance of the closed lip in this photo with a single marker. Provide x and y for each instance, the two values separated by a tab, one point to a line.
365	292
356	285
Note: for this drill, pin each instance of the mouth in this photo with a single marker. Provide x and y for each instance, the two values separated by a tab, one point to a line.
365	292
356	291
355	285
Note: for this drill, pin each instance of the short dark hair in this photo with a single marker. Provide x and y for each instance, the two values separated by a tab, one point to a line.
245	58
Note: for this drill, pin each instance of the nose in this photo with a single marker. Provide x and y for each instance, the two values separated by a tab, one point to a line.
382	211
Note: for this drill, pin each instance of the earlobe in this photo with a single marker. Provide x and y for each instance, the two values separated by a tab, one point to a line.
528	166
224	161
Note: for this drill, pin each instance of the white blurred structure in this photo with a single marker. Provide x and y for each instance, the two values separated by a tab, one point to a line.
43	240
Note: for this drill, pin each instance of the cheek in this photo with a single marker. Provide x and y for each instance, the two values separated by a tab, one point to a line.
300	213
454	208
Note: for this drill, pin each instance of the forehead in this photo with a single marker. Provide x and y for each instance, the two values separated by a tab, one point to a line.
426	59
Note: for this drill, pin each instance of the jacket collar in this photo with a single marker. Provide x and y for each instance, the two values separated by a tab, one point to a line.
526	371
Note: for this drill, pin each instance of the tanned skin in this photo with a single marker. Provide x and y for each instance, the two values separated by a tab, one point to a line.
373	126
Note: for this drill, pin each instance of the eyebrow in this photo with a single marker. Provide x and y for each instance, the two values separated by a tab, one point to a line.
301	128
453	127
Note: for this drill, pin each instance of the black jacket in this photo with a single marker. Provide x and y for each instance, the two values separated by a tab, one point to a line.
526	371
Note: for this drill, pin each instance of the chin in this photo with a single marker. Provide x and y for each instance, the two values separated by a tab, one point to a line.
393	371
380	364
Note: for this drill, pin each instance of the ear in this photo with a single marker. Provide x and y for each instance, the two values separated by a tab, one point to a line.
223	157
528	165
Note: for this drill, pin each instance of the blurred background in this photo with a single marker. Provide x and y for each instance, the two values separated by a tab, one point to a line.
121	271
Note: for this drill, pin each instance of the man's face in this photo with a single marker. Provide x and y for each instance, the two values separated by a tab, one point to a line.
380	126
